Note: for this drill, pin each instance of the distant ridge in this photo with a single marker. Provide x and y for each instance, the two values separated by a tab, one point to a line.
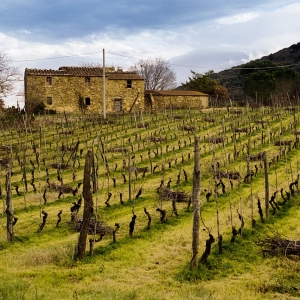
230	78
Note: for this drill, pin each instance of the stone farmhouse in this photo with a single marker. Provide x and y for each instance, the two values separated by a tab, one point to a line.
77	89
71	88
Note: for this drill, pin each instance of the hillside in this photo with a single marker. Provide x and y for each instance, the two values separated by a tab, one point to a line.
230	77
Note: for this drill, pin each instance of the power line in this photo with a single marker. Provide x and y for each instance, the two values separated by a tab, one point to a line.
266	68
57	57
124	55
135	58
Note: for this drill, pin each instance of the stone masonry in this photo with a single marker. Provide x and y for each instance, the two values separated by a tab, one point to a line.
158	100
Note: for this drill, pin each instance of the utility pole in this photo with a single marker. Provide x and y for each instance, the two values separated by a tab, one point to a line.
103	73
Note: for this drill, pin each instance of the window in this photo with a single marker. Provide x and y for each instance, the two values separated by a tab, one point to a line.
129	84
49	100
87	101
87	81
49	80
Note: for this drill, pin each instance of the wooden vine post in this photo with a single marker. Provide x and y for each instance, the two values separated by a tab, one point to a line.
266	184
129	176
24	168
88	205
226	164
95	184
196	205
234	140
220	238
9	206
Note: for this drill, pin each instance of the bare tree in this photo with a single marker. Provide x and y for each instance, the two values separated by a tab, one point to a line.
8	74
91	64
157	74
34	105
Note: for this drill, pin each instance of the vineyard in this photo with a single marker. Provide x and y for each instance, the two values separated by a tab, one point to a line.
139	243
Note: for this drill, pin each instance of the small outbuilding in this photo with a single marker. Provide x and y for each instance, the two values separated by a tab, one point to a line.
161	99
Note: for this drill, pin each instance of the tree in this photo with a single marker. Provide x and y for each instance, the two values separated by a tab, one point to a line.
206	84
91	64
222	92
8	74
258	79
157	74
260	84
261	79
286	80
81	103
201	82
34	106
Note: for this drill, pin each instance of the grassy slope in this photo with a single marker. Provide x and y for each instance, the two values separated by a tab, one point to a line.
154	264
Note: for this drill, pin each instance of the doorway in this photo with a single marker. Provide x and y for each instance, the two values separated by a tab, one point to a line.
118	104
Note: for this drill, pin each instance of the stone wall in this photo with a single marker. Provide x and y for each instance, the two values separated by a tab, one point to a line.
175	101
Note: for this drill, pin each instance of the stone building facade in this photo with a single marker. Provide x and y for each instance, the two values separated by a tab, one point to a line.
77	89
157	100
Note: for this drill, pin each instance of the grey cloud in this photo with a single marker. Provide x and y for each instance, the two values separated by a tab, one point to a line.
59	20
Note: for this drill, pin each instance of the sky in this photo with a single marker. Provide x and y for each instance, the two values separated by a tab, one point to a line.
198	35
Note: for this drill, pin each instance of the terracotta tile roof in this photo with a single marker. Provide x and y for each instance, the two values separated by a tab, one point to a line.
44	72
174	93
67	71
124	75
85	71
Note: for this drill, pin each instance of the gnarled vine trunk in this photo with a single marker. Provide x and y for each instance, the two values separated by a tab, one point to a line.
9	206
196	205
88	205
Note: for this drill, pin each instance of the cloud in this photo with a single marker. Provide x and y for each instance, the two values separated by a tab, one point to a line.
240	18
58	20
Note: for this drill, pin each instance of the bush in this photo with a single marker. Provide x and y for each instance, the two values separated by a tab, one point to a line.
39	108
50	111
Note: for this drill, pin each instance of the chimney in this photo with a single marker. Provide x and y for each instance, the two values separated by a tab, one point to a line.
119	69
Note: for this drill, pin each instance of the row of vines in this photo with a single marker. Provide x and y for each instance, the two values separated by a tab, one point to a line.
141	172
